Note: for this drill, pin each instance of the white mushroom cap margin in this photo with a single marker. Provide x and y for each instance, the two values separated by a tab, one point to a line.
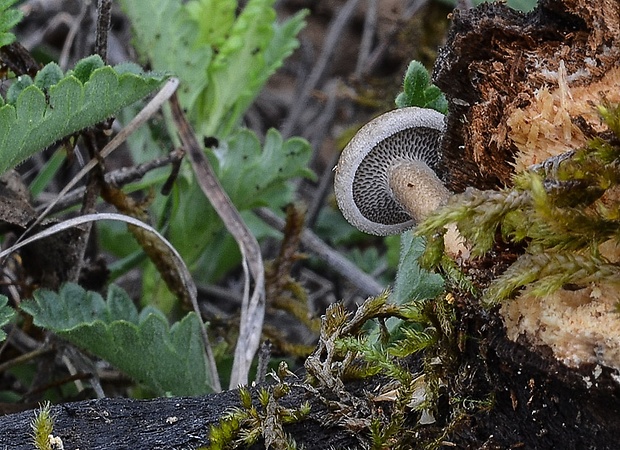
361	179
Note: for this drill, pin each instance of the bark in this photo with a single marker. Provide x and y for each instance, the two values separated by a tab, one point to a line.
163	423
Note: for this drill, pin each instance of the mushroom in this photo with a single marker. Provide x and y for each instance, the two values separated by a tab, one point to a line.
385	181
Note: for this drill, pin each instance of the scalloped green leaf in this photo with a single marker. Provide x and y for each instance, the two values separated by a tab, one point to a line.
9	17
419	91
6	314
48	76
33	119
167	359
253	175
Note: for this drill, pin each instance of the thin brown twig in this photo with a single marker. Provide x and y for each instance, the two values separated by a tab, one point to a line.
364	282
370	25
75	27
117	178
104	8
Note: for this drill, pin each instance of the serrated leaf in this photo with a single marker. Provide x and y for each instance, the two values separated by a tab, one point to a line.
32	119
6	314
9	17
241	68
223	61
169	360
252	175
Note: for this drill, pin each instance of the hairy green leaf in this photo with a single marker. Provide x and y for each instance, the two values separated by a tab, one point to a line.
37	114
167	359
418	90
252	175
255	48
9	17
6	314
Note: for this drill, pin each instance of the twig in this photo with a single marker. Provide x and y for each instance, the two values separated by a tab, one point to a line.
364	282
26	357
253	307
370	25
377	54
319	129
75	27
104	8
116	178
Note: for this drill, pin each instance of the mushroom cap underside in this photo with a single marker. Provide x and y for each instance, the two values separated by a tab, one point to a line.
361	182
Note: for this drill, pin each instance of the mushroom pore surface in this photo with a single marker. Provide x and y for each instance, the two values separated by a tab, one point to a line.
371	189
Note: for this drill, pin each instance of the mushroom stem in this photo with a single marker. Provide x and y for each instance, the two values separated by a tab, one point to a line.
420	192
417	188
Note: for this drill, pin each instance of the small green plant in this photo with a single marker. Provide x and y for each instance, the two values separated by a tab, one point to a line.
347	351
9	17
223	55
419	91
42	427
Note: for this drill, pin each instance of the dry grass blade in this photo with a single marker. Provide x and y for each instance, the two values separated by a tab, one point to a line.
253	306
180	265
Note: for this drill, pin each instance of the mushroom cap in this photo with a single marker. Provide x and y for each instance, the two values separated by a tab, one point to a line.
361	179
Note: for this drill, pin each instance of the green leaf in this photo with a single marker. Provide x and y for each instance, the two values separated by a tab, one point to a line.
9	17
222	59
85	68
255	48
221	16
33	119
413	282
6	314
169	360
166	37
418	90
48	76
17	87
253	176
